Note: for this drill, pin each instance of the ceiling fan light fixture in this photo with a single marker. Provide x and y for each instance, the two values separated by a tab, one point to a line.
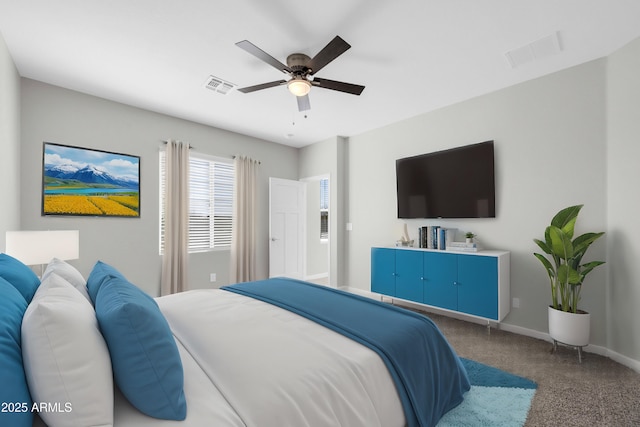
299	86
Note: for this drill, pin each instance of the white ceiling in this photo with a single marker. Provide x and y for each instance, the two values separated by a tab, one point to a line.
413	56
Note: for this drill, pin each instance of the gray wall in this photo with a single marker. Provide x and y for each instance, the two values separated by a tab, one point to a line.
623	176
58	115
9	144
550	148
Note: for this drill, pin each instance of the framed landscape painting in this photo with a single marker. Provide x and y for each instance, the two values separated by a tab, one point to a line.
87	182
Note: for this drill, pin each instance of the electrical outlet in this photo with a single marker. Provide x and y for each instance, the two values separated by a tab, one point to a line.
212	277
515	303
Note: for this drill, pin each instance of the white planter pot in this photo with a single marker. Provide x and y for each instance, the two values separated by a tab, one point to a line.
569	328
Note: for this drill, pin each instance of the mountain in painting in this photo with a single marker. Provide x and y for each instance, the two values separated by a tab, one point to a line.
88	175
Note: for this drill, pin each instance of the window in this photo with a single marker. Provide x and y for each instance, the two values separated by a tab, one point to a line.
324	209
210	202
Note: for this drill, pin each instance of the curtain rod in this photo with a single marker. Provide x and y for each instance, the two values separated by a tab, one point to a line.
190	146
259	162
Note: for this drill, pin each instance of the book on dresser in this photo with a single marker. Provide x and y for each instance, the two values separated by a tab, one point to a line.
426	237
463	246
435	236
446	235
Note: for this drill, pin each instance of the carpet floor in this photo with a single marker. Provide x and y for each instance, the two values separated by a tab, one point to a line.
597	392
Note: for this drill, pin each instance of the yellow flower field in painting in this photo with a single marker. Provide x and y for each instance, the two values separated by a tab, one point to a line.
132	202
63	204
111	207
91	205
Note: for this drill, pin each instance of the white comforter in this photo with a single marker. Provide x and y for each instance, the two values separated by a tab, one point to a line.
248	363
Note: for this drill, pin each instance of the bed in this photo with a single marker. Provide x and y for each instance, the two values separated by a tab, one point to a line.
278	352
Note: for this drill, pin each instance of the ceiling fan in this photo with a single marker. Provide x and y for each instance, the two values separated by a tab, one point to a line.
301	70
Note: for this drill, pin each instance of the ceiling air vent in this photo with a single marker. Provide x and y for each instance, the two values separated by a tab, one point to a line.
218	85
539	49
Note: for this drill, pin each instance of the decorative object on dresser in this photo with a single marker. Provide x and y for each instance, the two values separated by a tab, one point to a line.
567	323
40	247
404	239
463	247
474	284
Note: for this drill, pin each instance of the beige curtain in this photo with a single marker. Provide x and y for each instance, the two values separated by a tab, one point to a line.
176	219
243	241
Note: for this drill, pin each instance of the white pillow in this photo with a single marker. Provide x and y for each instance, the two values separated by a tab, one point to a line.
68	273
66	360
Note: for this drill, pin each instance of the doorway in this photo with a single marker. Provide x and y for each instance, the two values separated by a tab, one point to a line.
317	236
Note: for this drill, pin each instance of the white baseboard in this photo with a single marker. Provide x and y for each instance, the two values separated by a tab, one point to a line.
624	360
595	349
591	348
316	276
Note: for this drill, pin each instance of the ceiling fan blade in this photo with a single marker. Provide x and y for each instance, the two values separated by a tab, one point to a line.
339	86
331	51
261	86
303	103
262	55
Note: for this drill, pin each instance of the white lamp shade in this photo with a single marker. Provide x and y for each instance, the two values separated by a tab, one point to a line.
299	87
40	247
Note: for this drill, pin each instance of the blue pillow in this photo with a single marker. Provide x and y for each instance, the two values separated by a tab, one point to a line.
99	273
19	275
144	355
13	389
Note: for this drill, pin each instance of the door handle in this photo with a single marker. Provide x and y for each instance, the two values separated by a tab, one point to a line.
273	239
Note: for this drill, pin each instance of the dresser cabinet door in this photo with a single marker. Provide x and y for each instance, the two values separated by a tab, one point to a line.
409	275
383	269
440	277
477	286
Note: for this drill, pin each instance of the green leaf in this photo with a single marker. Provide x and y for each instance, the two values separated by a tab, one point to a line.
582	243
586	268
563	273
566	219
574	277
560	243
545	248
547	265
547	238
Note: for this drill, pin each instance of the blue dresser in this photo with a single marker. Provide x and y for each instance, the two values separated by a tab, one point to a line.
472	283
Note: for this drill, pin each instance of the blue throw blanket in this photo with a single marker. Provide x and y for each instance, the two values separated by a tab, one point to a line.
428	374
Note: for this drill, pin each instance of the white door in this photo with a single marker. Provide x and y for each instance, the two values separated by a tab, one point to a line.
286	226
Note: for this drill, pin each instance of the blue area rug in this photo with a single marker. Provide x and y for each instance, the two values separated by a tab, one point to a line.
496	399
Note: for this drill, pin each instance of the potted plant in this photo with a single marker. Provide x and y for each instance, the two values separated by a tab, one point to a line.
469	236
563	264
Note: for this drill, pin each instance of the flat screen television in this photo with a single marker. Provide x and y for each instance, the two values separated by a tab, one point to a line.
454	183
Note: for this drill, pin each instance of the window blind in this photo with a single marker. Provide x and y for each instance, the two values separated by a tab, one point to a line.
210	202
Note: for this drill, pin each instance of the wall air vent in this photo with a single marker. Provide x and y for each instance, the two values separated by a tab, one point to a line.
218	85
